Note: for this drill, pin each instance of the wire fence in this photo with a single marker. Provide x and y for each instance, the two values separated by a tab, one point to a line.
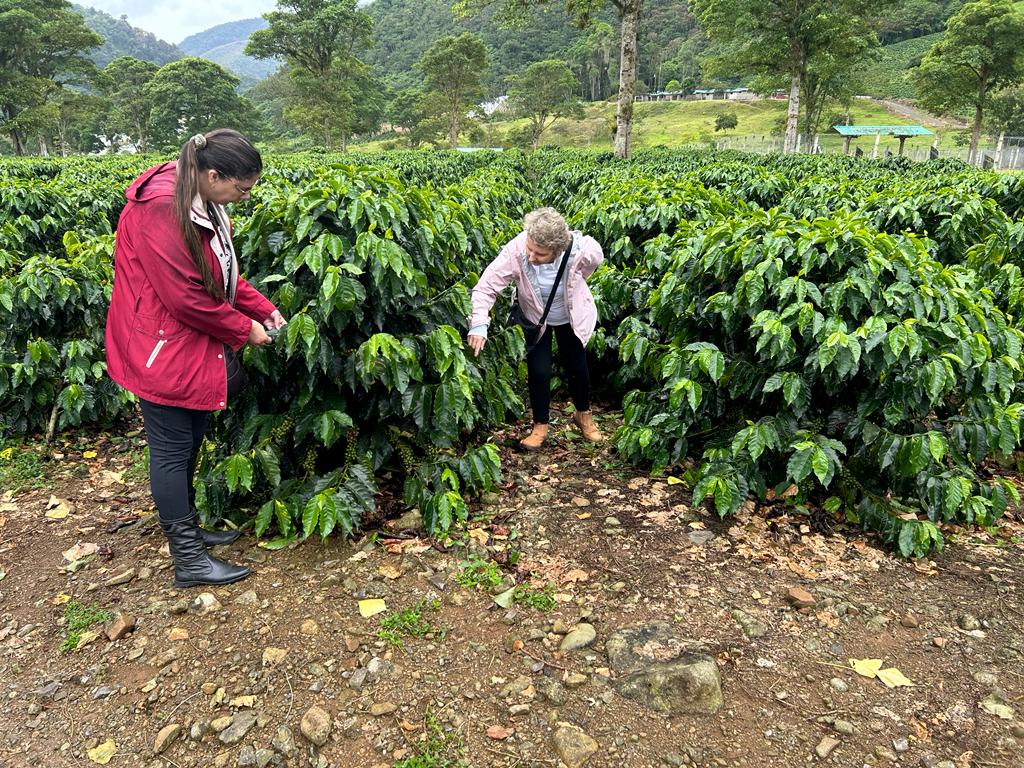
1005	153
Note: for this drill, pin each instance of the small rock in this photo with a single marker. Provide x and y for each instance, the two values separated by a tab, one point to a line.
574	746
121	625
751	627
316	725
284	741
264	757
910	621
844	727
1017	730
240	725
246	757
825	747
384	708
553	691
838	684
901	744
218	724
248	598
579	501
700	538
309	627
612	522
122	578
968	623
166	737
581	636
575	680
799	597
204	603
986	679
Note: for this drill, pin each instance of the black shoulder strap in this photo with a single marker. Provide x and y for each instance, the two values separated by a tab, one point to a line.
558	277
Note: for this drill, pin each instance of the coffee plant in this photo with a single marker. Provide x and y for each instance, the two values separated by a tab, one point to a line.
844	334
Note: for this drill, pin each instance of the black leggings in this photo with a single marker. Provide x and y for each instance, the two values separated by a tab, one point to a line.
574	361
174	436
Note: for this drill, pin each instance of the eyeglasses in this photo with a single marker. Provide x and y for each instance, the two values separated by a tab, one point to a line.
243	190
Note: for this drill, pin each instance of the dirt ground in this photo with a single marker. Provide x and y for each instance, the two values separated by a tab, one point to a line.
270	665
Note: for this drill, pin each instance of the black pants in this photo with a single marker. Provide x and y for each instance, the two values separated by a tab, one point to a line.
174	436
574	361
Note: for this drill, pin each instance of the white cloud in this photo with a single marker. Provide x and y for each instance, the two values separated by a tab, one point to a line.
174	20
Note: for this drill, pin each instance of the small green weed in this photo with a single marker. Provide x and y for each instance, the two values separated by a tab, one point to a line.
409	622
479	573
540	599
20	467
79	617
440	750
138	470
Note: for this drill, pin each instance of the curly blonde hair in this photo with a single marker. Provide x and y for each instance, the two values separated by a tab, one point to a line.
547	228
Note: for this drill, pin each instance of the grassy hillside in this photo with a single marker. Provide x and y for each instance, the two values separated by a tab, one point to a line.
677	123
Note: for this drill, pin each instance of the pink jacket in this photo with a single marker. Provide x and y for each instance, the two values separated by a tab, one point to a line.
165	336
512	266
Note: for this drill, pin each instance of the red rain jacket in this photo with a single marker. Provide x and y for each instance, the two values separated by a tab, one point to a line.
165	335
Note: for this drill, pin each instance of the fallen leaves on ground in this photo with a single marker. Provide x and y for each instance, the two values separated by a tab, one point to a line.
101	754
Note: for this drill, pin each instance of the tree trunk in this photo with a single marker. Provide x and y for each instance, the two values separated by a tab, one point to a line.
19	146
453	129
979	115
43	149
793	115
627	76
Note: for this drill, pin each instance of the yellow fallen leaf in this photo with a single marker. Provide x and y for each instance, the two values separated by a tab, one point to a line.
85	639
866	667
61	599
243	701
102	754
892	678
372	607
88	454
59	512
480	536
583	516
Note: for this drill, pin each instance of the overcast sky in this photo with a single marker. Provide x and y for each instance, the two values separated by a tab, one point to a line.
174	20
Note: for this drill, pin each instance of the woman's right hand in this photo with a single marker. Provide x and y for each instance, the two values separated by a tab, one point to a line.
476	343
258	335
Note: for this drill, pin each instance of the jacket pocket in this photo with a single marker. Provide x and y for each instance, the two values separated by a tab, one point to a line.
160	351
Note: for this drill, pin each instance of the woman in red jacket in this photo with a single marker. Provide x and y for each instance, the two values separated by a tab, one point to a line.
178	315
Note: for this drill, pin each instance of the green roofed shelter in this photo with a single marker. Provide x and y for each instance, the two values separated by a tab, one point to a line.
901	132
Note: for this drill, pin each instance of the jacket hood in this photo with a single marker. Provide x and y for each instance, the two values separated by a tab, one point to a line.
158	181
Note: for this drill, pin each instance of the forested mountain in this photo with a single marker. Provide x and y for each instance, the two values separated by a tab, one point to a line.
404	29
122	39
225	45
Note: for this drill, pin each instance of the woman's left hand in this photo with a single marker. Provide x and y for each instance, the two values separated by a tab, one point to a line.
276	320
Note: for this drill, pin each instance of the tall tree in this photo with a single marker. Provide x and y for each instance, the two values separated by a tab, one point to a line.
979	53
192	95
454	67
319	40
591	56
545	92
515	11
123	81
782	37
42	43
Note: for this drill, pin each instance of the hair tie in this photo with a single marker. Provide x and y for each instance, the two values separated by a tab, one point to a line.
199	140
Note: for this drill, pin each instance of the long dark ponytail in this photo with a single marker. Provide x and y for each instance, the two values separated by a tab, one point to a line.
233	156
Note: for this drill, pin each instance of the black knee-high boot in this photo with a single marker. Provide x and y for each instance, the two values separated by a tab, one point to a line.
213	539
193	565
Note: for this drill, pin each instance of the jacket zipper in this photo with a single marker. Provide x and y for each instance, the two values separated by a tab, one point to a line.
155	352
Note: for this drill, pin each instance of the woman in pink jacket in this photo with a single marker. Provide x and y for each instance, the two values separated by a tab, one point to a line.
533	261
178	315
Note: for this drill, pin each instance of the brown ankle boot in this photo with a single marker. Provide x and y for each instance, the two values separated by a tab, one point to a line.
536	438
585	423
